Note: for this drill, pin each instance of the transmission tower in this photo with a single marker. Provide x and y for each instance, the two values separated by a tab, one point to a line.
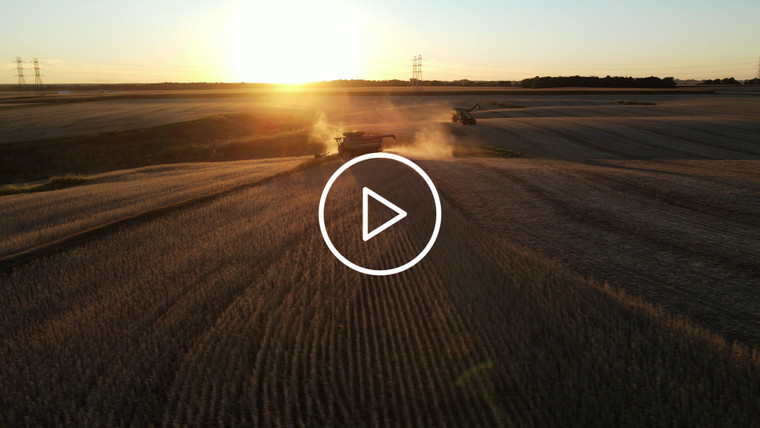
37	75
757	76
413	80
419	69
20	73
416	72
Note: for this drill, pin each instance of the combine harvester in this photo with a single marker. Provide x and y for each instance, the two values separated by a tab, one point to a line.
356	143
464	115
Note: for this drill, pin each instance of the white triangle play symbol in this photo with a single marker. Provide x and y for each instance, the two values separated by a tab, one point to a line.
400	214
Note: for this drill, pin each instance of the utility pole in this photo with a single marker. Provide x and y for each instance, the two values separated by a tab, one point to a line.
37	75
20	74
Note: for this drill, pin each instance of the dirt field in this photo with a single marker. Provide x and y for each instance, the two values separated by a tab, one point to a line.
230	309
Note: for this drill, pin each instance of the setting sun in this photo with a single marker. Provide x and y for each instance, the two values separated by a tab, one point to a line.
293	42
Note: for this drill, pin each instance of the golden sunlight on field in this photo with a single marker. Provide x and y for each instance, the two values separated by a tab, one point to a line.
164	265
293	42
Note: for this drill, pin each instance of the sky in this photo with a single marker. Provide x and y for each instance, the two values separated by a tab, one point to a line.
294	41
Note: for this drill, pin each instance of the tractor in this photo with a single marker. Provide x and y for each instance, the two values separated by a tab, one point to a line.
464	115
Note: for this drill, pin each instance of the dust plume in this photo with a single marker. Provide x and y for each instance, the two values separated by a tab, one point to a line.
431	141
324	132
420	127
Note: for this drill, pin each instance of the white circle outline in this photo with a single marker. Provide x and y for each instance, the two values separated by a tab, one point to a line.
362	269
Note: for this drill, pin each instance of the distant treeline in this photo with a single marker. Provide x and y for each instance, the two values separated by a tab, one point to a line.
724	81
135	86
357	83
342	83
535	82
397	82
598	82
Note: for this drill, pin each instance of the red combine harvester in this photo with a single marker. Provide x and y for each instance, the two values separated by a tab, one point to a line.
356	143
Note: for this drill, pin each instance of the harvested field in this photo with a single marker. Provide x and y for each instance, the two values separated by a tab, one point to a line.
109	197
605	277
690	244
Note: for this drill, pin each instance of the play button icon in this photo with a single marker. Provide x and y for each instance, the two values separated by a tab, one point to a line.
400	214
372	189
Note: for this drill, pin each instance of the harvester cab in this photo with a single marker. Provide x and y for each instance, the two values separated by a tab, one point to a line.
464	115
357	143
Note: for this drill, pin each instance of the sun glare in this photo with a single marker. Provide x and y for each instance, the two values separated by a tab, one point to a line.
293	42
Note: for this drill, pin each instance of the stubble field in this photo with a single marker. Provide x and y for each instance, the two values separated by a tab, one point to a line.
607	276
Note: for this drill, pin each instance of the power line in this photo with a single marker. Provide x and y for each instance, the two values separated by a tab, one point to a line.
385	61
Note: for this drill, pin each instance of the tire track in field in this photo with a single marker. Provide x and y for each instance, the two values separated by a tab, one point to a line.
507	133
662	131
538	238
719	113
579	214
574	139
723	238
119	367
716	295
688	171
670	152
730	132
234	286
734	213
539	141
9	261
235	283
